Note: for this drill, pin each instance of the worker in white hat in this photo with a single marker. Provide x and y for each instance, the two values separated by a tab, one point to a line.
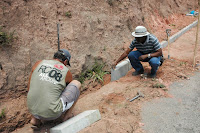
148	49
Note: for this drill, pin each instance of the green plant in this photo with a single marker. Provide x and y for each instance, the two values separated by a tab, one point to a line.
172	25
104	48
158	85
6	38
68	14
3	9
96	73
2	115
182	63
82	77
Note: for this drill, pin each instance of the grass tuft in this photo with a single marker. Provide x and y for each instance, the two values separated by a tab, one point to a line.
2	114
68	14
96	73
158	85
6	38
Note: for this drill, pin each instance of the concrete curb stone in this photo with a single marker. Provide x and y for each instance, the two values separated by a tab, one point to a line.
77	123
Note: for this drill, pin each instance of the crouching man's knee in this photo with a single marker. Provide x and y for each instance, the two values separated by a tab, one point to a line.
77	83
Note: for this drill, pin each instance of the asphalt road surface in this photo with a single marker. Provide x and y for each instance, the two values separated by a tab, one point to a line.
178	114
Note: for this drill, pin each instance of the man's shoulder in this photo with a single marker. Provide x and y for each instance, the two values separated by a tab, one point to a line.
134	41
152	37
36	64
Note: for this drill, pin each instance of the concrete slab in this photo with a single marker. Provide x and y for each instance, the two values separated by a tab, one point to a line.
78	122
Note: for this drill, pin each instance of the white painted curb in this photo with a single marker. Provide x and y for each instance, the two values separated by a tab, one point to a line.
78	122
178	34
121	69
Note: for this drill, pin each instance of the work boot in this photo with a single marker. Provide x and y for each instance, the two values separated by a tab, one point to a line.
137	72
150	75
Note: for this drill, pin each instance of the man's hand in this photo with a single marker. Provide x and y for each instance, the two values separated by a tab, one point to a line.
142	57
114	65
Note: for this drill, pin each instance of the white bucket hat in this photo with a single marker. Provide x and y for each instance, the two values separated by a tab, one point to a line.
140	31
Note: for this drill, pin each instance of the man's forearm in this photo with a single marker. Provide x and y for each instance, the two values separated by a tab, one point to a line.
124	55
156	54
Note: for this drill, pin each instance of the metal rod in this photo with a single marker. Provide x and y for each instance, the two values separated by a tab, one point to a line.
134	98
58	36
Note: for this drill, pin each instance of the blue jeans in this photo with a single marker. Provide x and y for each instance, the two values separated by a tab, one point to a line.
135	62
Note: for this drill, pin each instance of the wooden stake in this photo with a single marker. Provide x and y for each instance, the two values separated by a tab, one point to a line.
197	34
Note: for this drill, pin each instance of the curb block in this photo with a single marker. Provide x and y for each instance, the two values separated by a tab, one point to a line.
75	124
178	34
123	67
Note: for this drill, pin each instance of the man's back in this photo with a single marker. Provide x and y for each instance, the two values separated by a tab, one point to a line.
46	85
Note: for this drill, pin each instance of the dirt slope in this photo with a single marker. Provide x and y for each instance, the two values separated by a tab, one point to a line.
96	30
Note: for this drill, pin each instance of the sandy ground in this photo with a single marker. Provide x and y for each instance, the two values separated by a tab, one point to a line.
120	115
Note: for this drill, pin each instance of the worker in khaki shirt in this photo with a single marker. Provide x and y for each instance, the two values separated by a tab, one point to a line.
51	90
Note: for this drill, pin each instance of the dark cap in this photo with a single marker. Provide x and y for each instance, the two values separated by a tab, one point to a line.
66	54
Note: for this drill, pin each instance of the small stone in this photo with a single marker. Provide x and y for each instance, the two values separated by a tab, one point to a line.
115	113
43	17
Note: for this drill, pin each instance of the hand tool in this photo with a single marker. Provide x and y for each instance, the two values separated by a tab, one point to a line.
139	94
